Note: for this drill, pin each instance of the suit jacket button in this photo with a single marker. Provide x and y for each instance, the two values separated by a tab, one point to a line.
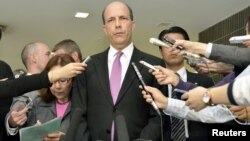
114	109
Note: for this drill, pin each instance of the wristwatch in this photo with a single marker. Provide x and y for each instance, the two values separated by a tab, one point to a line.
206	98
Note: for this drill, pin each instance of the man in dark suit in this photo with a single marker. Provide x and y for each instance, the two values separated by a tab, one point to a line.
5	72
92	90
195	131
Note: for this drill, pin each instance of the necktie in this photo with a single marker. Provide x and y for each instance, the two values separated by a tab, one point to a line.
115	83
115	78
177	126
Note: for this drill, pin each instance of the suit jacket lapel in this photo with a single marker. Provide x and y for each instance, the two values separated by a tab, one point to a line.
130	75
101	66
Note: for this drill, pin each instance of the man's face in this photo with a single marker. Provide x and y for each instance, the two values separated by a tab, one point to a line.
118	26
170	58
43	55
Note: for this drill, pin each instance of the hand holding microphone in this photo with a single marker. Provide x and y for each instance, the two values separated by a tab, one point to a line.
192	47
156	96
140	78
158	42
192	59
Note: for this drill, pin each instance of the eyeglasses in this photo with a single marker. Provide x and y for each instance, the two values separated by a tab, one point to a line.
63	81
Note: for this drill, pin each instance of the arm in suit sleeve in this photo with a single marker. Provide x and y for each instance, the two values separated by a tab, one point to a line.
15	87
79	100
231	54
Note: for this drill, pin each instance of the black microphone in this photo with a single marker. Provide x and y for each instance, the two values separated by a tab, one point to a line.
121	128
74	123
140	78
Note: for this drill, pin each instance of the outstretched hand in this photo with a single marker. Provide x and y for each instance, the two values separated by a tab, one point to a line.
68	71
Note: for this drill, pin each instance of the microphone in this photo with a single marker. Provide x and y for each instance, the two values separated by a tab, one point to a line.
192	59
158	42
74	124
121	128
140	78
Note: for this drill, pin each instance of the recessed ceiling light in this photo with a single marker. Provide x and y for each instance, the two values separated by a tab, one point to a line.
81	15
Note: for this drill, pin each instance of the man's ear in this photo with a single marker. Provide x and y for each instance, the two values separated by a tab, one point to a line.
133	25
33	57
104	29
74	55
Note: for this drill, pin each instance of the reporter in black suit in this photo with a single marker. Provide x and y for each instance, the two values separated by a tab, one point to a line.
196	130
92	91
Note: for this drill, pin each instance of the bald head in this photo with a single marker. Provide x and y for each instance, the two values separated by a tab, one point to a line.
35	55
116	3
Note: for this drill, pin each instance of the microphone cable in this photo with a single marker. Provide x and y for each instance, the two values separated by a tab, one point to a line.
234	118
162	139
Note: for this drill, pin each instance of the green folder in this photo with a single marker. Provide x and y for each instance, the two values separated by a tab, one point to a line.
38	132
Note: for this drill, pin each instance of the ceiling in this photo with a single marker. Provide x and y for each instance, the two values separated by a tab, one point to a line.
52	20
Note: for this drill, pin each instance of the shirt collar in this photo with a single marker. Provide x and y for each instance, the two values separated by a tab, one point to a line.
182	72
127	51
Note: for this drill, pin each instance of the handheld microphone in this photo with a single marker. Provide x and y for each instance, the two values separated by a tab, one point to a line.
86	60
158	42
192	59
74	125
171	42
140	78
121	128
148	65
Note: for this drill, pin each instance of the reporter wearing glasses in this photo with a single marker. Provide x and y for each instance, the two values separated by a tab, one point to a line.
52	102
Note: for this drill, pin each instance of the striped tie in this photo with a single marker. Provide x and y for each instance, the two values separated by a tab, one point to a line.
177	127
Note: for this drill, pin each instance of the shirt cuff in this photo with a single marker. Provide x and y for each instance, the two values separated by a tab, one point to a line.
208	50
11	131
230	93
173	105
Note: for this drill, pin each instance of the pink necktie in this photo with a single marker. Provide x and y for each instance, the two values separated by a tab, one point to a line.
115	83
115	78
